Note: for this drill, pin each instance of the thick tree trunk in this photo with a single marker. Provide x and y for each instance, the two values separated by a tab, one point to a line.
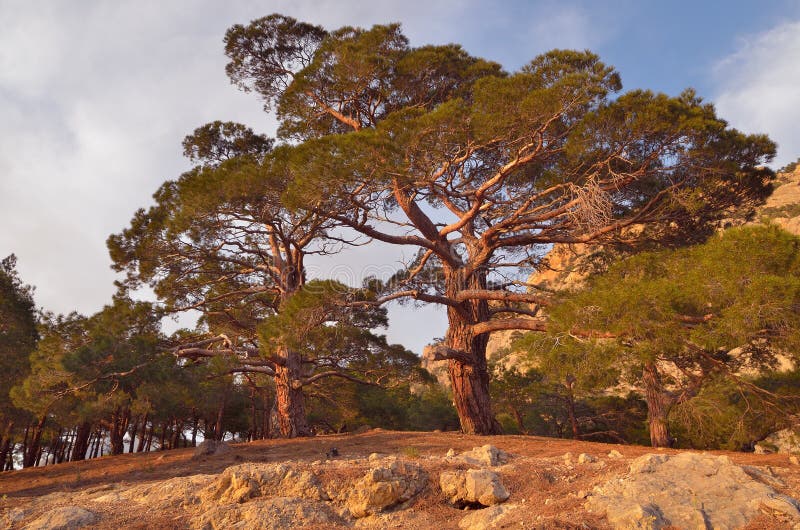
659	403
290	410
119	426
469	375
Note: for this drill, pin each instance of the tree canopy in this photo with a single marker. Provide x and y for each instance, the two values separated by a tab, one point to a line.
483	169
678	318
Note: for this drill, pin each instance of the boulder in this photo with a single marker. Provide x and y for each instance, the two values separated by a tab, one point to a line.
385	486
239	483
688	490
614	454
472	487
65	518
784	441
486	455
486	518
211	448
586	458
276	513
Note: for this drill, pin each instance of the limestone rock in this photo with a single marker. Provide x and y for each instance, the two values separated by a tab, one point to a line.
437	368
239	483
65	518
385	486
486	518
688	490
211	448
170	493
276	513
586	458
784	441
486	455
473	486
614	454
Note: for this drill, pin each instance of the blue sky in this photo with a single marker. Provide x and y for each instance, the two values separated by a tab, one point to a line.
95	98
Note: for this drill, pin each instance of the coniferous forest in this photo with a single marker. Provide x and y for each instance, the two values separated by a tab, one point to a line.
608	262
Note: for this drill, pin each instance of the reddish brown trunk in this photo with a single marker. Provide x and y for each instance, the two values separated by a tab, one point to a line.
469	376
290	411
119	426
5	443
194	431
32	454
218	432
142	435
518	418
659	403
133	428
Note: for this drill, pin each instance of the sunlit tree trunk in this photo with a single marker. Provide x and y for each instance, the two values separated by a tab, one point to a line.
659	403
469	375
289	399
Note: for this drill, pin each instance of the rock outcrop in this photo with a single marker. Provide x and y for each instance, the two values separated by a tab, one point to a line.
65	518
171	493
472	487
276	513
688	490
485	455
783	441
384	487
239	483
487	518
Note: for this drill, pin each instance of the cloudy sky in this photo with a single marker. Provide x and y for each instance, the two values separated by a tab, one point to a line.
96	96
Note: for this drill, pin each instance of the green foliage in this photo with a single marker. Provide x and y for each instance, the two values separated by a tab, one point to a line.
701	315
738	287
726	416
18	334
219	141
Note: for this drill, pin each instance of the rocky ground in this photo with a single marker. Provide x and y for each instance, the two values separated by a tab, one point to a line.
382	479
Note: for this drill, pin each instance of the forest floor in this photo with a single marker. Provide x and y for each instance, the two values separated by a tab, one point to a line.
545	485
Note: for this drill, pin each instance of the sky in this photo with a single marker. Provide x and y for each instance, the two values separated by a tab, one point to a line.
96	96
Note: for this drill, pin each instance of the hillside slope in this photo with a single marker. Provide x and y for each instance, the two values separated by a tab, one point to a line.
548	483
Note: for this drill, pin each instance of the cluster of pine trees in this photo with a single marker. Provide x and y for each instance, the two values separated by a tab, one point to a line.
78	387
479	171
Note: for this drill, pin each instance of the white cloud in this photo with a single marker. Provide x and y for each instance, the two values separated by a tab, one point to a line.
759	88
